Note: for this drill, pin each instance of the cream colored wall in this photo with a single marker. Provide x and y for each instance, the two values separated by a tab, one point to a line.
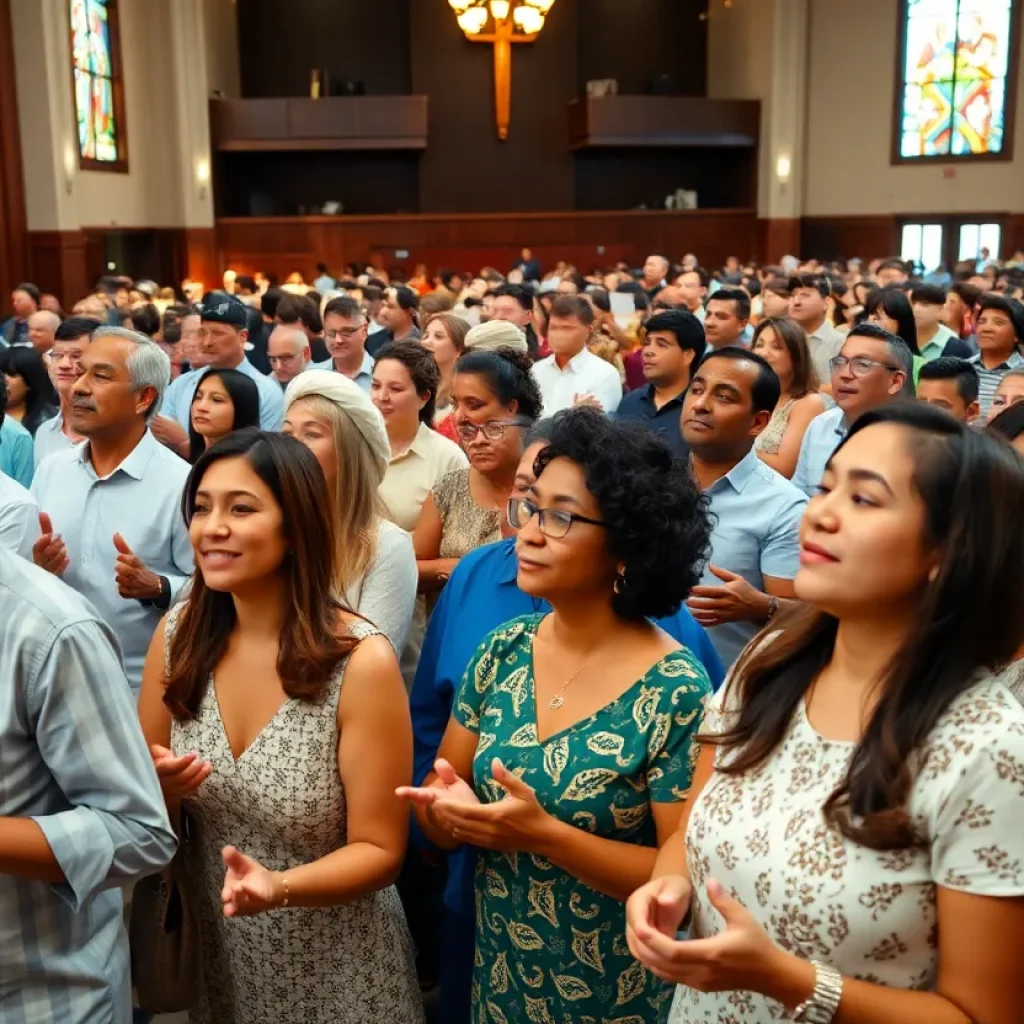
849	127
150	194
221	29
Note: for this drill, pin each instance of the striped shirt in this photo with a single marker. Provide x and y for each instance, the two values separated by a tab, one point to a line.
988	380
74	761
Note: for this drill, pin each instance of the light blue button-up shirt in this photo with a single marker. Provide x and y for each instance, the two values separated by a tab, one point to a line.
17	459
756	516
822	438
178	397
140	500
364	378
73	759
51	438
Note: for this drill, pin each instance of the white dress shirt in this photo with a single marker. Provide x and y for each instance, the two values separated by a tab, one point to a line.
140	500
584	374
19	517
178	397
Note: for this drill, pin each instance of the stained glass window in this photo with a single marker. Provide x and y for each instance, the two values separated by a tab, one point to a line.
956	60
97	83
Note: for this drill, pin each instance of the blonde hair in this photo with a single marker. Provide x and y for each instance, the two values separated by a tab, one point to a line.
356	507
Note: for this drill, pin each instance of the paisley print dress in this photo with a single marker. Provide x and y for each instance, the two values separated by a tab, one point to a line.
550	949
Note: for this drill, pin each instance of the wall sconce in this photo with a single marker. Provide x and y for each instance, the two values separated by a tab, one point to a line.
70	166
203	176
783	168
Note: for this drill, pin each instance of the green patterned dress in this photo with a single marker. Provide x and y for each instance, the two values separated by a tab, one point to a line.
550	949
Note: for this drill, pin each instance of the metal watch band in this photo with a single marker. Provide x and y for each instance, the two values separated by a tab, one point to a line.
823	1005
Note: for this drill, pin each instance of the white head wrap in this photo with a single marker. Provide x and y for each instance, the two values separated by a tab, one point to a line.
353	401
495	334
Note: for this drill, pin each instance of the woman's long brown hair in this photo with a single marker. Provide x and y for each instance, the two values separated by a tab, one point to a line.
970	618
312	641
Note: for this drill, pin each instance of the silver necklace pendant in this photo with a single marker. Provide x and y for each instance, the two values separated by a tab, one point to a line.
556	702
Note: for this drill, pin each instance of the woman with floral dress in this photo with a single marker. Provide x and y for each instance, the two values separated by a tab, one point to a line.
854	853
568	755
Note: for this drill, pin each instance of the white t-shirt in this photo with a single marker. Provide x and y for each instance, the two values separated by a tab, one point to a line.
584	374
386	595
869	914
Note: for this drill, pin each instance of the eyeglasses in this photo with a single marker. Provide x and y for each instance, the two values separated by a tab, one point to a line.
493	430
345	333
553	522
860	366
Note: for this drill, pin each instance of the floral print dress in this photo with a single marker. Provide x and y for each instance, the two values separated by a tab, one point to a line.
870	914
550	949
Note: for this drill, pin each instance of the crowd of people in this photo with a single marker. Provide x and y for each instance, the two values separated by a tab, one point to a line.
634	647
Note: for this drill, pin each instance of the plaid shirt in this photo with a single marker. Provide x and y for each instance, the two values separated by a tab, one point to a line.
74	761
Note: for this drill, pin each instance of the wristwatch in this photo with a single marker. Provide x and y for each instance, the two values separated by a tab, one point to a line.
823	1005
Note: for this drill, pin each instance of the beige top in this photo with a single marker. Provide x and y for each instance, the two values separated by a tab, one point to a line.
770	439
411	476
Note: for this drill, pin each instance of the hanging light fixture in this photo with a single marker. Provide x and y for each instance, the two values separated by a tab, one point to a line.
513	21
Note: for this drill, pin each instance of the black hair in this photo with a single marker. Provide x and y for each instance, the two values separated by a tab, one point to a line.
684	327
245	397
951	368
600	299
406	298
294	309
641	300
321	268
508	375
76	327
146	319
541	431
894	303
1011	307
894	263
246	282
3	401
30	290
766	389
522	293
736	295
627	468
41	401
931	294
422	368
1009	424
703	276
344	306
972	491
816	282
269	301
778	286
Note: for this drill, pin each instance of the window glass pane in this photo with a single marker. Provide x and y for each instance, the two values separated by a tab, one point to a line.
931	247
969	244
978	121
99	38
93	80
104	124
83	109
926	114
989	238
79	34
910	246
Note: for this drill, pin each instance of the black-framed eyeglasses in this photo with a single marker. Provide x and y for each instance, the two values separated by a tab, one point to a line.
553	522
493	430
860	366
345	333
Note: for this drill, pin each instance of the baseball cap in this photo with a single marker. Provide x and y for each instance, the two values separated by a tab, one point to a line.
221	308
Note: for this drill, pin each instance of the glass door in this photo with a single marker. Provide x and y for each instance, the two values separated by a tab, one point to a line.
923	243
976	237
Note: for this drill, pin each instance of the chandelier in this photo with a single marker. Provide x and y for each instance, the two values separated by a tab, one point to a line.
511	21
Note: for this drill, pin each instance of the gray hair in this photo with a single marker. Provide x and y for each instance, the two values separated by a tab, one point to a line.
899	351
148	366
294	334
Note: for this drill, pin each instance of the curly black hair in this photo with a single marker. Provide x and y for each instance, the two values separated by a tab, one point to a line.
508	375
658	520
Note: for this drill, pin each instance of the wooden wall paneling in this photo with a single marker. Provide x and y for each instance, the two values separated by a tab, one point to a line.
57	263
282	245
202	261
777	238
844	237
13	225
1014	237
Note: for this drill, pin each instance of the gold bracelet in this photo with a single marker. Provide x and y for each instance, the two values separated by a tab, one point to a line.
284	885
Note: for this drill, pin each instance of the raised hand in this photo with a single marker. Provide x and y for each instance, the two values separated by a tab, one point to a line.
169	432
179	776
249	888
50	552
134	580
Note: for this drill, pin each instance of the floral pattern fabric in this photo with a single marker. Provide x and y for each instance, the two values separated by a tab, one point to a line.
870	914
549	948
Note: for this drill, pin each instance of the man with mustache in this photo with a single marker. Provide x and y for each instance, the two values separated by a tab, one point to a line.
673	347
110	518
755	546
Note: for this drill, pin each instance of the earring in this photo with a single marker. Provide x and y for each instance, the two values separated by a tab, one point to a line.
620	582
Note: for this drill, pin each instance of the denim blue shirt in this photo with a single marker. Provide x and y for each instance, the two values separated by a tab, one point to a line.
756	514
178	397
479	597
822	438
364	378
17	452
